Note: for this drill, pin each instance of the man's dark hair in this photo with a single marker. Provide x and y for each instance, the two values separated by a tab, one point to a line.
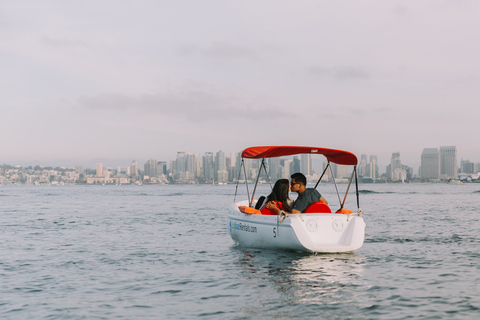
299	177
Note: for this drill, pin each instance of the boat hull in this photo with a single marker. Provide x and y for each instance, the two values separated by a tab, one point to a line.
309	232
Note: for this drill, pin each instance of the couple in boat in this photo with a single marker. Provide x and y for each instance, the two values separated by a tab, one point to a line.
278	200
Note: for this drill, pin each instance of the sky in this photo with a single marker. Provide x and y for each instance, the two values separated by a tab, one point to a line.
133	80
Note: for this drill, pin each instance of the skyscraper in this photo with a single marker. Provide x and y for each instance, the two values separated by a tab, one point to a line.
274	170
448	162
181	162
192	165
134	168
296	165
99	172
208	166
306	164
466	166
430	165
373	167
395	170
161	168
220	166
362	166
150	168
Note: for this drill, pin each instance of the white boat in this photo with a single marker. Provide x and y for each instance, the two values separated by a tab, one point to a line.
323	232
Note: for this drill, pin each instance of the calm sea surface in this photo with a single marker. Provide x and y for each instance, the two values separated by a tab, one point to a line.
164	252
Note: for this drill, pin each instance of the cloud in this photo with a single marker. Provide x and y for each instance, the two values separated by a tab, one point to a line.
340	72
195	106
63	42
222	50
401	11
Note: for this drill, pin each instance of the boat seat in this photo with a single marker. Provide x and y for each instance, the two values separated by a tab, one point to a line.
318	207
269	212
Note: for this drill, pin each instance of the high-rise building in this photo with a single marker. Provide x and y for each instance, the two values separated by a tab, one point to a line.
448	162
395	170
286	169
274	169
295	165
466	166
208	166
362	166
220	165
430	164
373	167
99	172
79	169
192	165
306	164
181	162
160	168
150	168
134	168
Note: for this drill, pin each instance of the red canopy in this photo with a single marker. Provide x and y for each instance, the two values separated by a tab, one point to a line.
332	155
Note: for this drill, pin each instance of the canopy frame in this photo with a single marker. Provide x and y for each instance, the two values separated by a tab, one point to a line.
335	156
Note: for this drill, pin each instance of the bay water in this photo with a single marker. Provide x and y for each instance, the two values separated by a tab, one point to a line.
164	252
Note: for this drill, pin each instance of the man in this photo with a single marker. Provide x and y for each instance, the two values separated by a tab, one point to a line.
306	196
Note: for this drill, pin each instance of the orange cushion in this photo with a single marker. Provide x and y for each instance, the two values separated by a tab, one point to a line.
344	211
248	210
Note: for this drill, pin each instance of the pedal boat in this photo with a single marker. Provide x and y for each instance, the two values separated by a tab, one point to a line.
317	230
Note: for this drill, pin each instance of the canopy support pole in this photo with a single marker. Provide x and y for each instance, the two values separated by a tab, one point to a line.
349	183
358	197
328	165
256	182
246	181
338	194
238	180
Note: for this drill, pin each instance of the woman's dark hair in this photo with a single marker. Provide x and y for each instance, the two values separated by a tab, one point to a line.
280	193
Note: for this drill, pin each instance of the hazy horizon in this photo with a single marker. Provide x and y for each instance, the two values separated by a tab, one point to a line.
145	79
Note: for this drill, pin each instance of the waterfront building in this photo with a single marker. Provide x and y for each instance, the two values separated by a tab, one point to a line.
208	166
395	170
448	162
134	168
160	168
99	171
123	170
306	164
287	169
232	170
430	164
274	169
79	169
362	166
372	169
296	165
181	162
192	165
150	168
466	166
173	168
220	165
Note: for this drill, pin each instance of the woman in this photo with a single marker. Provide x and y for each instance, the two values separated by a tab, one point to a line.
279	197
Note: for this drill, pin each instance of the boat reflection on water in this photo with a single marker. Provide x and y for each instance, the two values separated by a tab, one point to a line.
306	283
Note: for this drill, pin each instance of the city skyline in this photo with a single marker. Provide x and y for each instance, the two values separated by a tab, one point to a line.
381	167
438	165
